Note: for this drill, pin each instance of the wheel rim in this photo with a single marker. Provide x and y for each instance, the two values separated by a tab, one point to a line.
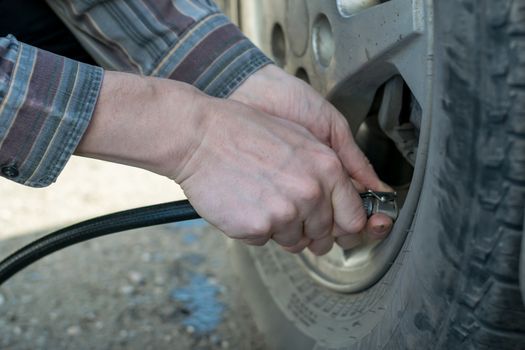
355	52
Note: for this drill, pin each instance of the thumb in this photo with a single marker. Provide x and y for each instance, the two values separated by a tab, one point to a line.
359	167
353	159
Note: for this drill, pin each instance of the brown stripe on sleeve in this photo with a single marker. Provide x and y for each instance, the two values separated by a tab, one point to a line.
33	113
168	14
202	56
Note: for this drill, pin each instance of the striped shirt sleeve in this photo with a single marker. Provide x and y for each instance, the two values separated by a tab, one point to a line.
46	102
185	40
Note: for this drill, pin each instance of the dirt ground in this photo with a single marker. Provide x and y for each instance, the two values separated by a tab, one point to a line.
167	287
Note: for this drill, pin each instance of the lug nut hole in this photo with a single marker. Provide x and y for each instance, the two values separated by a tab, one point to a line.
323	41
278	45
302	74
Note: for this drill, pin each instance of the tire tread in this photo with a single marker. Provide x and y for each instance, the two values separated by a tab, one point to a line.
488	310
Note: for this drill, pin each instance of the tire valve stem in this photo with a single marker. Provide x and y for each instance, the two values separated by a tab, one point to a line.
380	202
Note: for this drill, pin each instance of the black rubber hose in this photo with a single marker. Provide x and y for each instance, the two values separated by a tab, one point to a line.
101	226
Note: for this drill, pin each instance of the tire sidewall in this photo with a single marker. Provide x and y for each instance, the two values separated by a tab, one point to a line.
409	306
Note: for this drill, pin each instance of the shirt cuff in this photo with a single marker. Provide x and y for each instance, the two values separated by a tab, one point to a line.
44	111
213	55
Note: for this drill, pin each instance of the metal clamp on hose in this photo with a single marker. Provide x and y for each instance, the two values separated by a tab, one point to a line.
380	202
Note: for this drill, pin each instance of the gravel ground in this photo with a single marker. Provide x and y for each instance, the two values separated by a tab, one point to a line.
166	287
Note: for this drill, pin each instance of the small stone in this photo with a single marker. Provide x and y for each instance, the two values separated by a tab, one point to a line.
17	330
167	338
53	315
73	331
135	277
190	329
33	321
123	334
99	325
2	299
225	344
127	289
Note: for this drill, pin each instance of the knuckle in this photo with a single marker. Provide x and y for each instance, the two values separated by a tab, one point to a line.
258	228
285	212
311	191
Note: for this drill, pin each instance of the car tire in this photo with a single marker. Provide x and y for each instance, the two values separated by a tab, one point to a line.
455	282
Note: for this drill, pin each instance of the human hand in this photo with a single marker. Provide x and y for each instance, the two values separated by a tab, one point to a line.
277	93
257	177
253	175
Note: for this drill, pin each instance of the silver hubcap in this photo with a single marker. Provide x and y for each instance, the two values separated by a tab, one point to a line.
348	50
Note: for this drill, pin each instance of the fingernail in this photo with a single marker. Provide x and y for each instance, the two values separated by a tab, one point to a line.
381	230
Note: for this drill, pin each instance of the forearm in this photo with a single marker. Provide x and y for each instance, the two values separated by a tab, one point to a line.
144	122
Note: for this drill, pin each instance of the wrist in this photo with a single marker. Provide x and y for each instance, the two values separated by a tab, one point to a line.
190	116
149	123
259	92
254	90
